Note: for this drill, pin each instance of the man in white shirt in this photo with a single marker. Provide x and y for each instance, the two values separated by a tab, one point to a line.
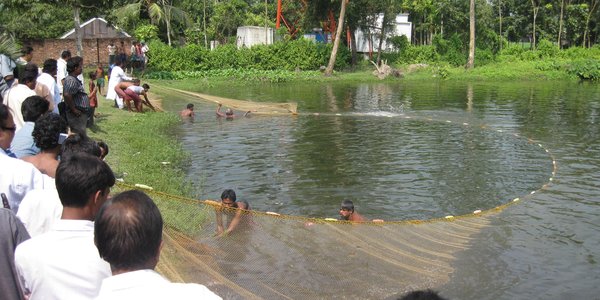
61	69
7	77
19	92
128	234
16	176
48	78
41	208
116	76
64	263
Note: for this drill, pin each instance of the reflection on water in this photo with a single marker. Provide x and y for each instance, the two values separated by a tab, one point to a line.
397	168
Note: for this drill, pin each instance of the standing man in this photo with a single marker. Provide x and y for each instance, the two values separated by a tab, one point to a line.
16	176
112	53
116	76
19	92
128	234
48	78
64	263
7	77
145	50
26	55
76	100
61	71
12	233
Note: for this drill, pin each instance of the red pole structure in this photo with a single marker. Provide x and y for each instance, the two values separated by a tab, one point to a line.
277	23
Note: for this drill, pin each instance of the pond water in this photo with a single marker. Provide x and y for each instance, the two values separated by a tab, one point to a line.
419	150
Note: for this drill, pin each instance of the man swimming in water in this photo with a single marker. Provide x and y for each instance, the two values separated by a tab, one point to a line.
231	207
188	111
228	113
347	212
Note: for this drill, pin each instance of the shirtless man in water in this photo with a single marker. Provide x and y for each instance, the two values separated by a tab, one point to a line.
188	111
234	211
229	115
347	212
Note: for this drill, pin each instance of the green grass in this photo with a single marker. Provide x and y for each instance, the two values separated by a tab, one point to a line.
144	150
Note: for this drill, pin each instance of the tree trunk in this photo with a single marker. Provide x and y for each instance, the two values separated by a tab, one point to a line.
560	22
167	9
381	36
78	37
500	16
586	39
471	60
204	25
536	9
353	48
336	42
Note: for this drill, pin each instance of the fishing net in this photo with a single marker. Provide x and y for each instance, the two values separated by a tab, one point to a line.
275	256
272	256
267	108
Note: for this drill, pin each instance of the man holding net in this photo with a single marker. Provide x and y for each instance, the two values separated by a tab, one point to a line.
234	211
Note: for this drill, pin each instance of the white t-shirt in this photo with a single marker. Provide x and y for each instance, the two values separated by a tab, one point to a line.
63	263
18	177
47	80
149	285
14	99
40	210
61	73
136	89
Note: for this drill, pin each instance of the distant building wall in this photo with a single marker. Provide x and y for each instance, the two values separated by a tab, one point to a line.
367	39
94	50
248	36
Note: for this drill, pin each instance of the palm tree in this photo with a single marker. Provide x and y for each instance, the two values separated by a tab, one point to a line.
160	11
9	47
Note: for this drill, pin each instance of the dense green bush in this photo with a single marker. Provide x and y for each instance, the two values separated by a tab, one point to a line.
587	69
418	55
290	55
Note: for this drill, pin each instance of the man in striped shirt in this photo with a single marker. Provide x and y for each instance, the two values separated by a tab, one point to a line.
76	99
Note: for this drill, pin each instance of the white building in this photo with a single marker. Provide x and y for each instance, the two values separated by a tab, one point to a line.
248	36
367	39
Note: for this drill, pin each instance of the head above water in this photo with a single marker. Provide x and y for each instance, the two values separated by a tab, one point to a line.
190	106
229	112
347	205
229	196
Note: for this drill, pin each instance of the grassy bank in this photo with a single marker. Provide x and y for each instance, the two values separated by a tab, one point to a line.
518	71
144	150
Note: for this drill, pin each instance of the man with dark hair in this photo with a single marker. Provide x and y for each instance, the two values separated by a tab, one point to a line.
64	263
26	55
128	234
347	212
116	76
61	69
77	143
16	176
233	209
46	135
188	111
19	92
47	78
32	109
76	99
42	208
